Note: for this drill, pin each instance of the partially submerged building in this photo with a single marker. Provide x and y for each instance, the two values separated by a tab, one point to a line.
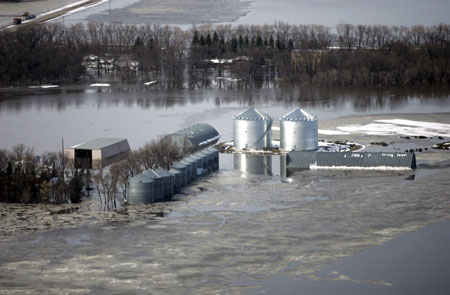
196	137
97	153
301	160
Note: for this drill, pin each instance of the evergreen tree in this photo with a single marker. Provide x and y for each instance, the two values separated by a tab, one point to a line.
195	40
271	42
241	42
234	45
202	40
215	38
259	41
208	40
290	45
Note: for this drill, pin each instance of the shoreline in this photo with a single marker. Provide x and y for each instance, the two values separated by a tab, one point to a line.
48	11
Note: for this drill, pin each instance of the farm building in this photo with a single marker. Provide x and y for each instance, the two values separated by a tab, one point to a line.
97	153
349	160
196	137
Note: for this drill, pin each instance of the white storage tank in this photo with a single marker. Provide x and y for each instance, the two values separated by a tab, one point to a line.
298	131
252	130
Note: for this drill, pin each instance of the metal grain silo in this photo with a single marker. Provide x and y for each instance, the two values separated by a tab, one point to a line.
158	188
199	160
168	182
298	131
177	183
140	190
204	154
252	130
183	173
189	170
214	152
193	162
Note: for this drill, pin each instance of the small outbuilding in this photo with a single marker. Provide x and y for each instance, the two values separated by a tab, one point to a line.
97	153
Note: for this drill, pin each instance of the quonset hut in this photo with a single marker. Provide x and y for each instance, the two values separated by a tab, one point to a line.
196	137
298	131
252	130
97	153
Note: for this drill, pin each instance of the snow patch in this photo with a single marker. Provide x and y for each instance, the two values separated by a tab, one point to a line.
393	127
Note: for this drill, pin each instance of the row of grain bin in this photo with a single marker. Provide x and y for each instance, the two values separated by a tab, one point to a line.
298	131
155	185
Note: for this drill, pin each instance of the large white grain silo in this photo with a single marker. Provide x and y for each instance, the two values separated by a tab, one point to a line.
252	130
298	131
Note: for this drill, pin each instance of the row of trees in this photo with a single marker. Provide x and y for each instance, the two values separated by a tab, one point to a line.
262	55
26	178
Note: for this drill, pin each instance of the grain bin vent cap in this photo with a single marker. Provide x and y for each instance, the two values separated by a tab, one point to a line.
252	114
298	115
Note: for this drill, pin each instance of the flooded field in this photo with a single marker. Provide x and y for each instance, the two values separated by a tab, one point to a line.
194	12
41	118
243	230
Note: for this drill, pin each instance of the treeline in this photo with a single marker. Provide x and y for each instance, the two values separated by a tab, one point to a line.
250	55
27	178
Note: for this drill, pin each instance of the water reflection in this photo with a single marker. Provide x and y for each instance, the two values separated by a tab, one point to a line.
253	164
358	99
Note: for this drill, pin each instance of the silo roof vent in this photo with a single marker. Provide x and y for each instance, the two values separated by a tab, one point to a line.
252	114
298	115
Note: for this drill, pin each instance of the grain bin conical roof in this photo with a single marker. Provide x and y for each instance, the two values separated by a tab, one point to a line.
298	115
252	114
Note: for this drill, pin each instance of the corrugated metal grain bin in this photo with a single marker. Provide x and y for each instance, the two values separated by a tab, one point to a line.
193	163
196	137
199	159
189	169
215	153
204	154
140	190
252	130
168	182
177	183
185	174
158	186
298	131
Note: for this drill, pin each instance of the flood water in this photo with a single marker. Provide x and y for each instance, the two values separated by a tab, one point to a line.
322	12
41	118
242	230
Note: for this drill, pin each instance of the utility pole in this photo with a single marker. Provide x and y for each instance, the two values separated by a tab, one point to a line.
109	11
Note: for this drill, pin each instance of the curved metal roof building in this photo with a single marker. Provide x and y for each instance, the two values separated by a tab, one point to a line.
196	137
